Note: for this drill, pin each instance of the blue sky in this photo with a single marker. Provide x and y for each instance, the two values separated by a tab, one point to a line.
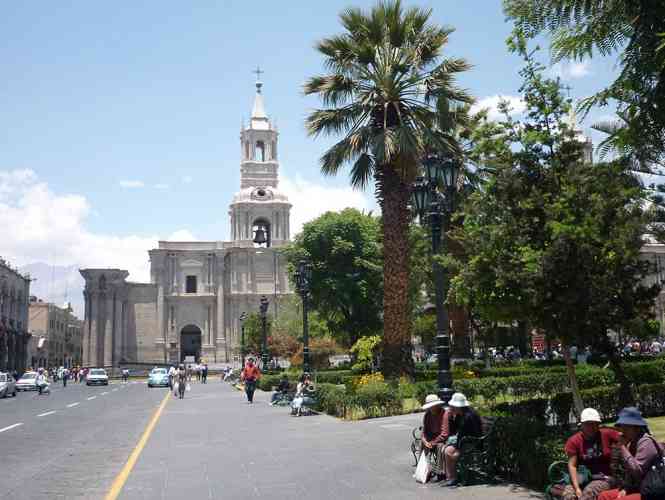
96	97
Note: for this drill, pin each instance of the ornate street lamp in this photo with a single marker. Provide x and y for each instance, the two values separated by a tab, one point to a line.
263	309
303	277
433	201
242	318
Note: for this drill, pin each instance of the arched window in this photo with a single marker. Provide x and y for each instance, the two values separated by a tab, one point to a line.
260	151
274	150
261	233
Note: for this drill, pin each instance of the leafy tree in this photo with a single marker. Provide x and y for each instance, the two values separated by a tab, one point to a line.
629	28
254	333
551	239
365	351
345	290
320	350
386	91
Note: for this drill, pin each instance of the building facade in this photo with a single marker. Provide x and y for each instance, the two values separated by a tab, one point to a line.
14	336
198	290
56	335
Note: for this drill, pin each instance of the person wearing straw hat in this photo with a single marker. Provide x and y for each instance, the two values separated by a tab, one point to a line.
435	432
462	421
639	452
591	447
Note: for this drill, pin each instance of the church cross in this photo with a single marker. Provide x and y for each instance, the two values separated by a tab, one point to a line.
567	88
258	72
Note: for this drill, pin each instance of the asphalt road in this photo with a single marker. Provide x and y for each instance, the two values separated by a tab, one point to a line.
72	443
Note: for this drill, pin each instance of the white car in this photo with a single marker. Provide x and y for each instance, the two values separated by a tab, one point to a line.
28	382
7	385
97	376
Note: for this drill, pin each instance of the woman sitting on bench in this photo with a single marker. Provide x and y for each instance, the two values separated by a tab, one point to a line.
435	432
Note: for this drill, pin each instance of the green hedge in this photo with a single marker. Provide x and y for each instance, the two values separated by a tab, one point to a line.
377	399
559	409
270	380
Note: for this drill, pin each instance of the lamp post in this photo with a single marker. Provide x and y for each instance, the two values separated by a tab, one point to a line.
433	200
263	308
242	318
303	278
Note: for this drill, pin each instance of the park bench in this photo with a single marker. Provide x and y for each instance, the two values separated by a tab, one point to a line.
477	454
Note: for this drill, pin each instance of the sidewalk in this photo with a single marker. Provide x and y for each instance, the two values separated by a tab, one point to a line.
213	444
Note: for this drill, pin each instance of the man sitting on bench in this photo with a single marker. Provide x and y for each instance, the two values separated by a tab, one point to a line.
461	421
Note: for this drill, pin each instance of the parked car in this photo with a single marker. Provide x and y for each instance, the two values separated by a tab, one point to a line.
158	377
97	376
7	385
27	382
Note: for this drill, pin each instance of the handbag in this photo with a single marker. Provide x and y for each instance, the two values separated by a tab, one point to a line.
423	469
652	486
188	387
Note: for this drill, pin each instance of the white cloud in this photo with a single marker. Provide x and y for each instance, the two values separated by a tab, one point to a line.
187	179
491	103
161	186
570	70
41	226
310	200
130	184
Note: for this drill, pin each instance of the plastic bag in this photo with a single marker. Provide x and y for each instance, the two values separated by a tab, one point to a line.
188	387
423	469
175	388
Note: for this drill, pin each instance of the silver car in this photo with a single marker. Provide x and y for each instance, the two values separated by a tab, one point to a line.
97	376
28	382
7	385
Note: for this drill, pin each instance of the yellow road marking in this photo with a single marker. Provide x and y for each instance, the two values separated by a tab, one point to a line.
121	478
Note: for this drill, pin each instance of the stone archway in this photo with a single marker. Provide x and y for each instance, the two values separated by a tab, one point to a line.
190	343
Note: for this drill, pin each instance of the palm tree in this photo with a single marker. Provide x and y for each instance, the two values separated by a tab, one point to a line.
387	87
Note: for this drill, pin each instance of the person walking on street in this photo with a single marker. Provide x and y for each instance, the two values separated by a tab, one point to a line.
172	372
182	381
41	381
250	374
204	373
65	376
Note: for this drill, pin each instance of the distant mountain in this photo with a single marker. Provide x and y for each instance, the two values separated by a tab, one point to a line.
57	284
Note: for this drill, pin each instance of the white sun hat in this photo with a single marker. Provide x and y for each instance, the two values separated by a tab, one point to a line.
458	400
431	401
589	415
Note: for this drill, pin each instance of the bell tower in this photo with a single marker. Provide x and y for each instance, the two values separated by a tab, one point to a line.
259	212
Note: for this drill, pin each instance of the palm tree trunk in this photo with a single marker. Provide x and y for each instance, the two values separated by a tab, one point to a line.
394	195
459	325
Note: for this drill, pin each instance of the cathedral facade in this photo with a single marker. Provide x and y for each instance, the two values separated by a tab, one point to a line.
198	290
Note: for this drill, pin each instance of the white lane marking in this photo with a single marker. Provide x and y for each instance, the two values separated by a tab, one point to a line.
91	398
73	405
46	414
104	393
11	427
114	390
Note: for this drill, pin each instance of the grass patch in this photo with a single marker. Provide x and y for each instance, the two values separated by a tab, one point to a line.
657	427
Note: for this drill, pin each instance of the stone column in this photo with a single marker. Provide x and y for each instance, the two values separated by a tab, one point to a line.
220	341
118	330
109	319
3	351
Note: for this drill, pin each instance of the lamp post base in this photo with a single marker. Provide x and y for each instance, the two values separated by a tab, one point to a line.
445	394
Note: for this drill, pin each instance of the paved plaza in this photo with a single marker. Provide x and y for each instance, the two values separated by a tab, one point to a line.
212	444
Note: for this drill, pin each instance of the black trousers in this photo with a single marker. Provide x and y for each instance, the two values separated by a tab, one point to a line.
250	387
